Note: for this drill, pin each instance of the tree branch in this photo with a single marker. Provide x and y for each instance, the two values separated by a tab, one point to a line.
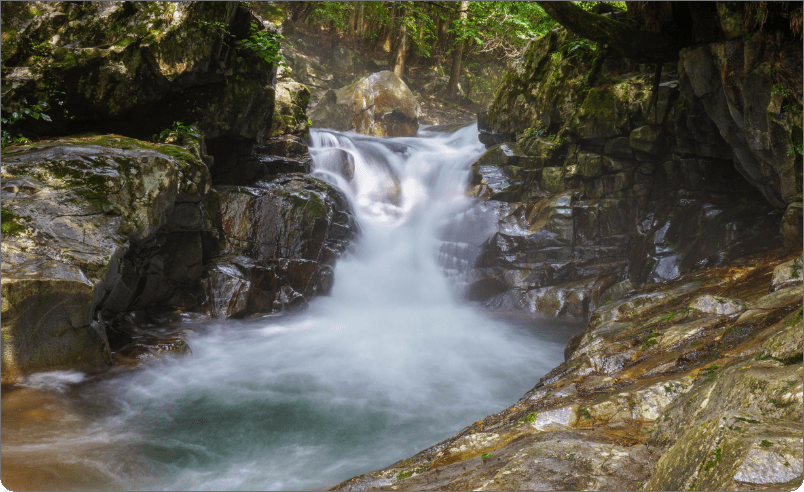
640	46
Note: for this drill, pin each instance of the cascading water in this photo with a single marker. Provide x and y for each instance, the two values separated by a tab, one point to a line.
388	364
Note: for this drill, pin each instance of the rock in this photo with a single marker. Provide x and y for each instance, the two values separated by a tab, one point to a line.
384	106
282	239
552	179
83	218
244	163
619	147
720	306
380	105
787	344
760	136
787	274
138	68
226	291
740	410
345	59
791	228
336	161
290	106
616	291
332	111
697	398
644	139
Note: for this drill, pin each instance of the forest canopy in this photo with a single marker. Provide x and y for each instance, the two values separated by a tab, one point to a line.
499	29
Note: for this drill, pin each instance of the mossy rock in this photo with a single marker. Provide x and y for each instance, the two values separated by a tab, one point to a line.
71	209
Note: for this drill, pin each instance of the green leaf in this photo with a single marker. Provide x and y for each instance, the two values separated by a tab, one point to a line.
35	115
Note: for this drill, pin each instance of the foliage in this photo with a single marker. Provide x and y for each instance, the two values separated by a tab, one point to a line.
266	45
36	112
499	29
502	28
174	134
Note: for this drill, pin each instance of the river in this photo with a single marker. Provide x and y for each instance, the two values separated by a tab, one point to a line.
391	362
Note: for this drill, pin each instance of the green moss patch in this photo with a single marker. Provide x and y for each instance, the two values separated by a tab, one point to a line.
10	223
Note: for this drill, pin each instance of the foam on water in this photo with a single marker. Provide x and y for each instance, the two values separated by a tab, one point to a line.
388	364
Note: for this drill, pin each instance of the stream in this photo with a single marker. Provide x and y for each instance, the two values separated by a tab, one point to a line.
393	361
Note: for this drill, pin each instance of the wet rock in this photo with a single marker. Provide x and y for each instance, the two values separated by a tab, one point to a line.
552	179
337	161
721	306
226	290
243	163
787	274
75	211
281	241
719	431
618	147
491	183
380	105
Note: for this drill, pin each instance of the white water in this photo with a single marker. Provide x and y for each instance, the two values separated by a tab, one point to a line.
390	363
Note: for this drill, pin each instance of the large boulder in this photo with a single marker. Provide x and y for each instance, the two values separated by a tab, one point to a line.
282	239
380	105
92	226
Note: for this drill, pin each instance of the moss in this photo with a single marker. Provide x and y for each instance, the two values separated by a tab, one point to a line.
531	417
599	102
10	223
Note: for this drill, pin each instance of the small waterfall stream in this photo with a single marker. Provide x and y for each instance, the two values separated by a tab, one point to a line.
388	364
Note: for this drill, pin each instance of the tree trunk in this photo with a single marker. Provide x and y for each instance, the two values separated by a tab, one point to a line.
640	46
360	20
455	74
389	32
350	26
401	44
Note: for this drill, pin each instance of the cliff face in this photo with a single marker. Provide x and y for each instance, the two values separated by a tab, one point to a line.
606	180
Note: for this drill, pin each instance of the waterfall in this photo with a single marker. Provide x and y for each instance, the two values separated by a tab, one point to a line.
387	365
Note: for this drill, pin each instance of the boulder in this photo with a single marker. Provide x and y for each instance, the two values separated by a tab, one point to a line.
282	239
380	105
787	274
83	218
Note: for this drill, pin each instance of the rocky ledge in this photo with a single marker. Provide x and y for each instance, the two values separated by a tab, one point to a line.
693	383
